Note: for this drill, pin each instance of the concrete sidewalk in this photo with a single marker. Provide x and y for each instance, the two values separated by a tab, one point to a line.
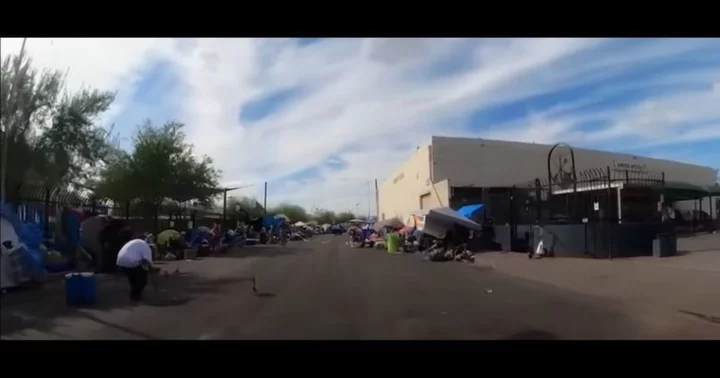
689	282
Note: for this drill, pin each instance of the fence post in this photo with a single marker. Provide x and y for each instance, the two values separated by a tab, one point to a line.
93	204
18	198
224	213
538	198
46	223
609	224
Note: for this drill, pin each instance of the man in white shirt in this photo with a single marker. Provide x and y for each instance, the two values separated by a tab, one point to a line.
135	260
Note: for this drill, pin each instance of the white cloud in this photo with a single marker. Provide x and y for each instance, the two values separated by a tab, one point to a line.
365	104
105	64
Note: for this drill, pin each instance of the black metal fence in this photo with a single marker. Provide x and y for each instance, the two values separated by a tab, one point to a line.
43	204
592	195
600	213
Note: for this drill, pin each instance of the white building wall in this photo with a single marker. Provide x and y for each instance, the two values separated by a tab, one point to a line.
493	163
460	162
400	193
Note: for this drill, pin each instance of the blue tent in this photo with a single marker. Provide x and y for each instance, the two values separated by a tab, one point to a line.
272	222
30	234
469	210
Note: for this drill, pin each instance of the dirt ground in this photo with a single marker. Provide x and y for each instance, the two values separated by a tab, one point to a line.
688	283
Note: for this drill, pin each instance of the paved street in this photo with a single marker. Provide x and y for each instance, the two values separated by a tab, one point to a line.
322	289
688	282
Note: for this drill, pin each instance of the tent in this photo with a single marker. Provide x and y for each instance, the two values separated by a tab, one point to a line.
273	221
164	237
392	223
451	217
25	239
438	221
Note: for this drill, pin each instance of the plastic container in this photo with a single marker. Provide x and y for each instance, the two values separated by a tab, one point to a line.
665	245
393	243
80	288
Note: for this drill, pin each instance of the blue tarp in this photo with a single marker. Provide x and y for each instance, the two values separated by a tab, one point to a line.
272	222
29	234
469	210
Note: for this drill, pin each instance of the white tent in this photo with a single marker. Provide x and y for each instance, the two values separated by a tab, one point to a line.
282	216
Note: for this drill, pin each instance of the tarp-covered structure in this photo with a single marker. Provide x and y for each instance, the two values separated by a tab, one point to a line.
270	221
21	258
395	223
436	222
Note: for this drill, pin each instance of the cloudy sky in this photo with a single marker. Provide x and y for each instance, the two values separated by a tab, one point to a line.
319	119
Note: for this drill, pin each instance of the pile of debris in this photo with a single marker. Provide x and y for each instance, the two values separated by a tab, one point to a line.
438	253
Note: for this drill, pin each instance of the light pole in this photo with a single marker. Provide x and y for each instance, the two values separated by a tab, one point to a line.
6	132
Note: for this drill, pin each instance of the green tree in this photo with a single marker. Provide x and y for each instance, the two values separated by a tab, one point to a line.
324	216
294	212
244	208
344	217
49	135
161	166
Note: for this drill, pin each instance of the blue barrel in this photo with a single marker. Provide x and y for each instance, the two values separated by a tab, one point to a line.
80	288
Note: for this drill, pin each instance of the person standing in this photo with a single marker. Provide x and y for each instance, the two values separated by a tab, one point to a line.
135	261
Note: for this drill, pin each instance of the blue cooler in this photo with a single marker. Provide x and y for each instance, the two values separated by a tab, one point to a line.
80	288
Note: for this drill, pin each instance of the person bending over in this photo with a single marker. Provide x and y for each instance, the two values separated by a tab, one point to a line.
135	260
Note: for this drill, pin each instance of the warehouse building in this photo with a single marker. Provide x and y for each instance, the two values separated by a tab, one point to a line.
452	172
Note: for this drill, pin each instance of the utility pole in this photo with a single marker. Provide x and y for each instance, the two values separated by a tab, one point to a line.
377	201
6	132
224	213
265	199
369	201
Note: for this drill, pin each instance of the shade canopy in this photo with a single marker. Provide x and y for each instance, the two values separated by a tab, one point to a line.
680	190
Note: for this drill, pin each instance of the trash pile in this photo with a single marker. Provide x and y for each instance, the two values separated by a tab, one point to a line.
362	237
439	253
440	235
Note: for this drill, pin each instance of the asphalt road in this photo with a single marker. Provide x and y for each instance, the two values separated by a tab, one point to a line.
322	289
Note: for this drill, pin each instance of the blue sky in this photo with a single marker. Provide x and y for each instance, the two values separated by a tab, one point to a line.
319	119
